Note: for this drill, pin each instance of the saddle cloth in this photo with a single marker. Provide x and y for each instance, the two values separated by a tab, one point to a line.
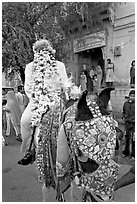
95	140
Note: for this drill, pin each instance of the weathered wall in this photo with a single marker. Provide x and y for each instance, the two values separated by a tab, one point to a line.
120	32
124	36
118	99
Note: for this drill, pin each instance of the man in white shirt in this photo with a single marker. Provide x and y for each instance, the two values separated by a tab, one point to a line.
20	100
27	114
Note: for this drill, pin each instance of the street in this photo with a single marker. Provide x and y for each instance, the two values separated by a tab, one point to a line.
20	184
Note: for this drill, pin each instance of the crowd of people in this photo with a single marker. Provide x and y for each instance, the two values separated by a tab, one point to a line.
25	111
95	78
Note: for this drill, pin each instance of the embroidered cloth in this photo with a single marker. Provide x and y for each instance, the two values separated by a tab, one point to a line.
96	139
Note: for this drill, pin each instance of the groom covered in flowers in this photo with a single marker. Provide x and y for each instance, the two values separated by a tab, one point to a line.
45	78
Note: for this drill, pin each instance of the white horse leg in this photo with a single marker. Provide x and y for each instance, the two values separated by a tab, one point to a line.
76	193
68	195
49	195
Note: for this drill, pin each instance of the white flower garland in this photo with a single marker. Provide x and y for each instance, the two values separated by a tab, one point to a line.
45	93
74	92
47	82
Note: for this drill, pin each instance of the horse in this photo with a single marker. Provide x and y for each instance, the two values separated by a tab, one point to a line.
48	145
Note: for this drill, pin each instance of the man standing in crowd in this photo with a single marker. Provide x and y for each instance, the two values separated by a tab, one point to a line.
20	99
109	73
83	81
129	119
132	74
91	74
99	75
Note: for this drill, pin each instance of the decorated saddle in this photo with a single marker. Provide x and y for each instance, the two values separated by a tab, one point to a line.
89	133
46	151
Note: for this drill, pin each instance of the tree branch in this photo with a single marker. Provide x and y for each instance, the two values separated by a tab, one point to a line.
35	19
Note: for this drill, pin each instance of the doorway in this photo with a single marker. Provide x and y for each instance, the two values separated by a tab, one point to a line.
96	56
90	58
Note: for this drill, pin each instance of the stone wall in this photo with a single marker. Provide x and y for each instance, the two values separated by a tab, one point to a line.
118	99
124	39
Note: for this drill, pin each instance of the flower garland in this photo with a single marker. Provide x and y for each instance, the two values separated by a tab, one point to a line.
47	83
45	93
74	92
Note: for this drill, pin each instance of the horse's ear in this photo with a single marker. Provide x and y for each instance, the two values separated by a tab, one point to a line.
83	112
104	97
82	100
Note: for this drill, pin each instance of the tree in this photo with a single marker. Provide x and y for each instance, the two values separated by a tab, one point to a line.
19	21
16	48
25	22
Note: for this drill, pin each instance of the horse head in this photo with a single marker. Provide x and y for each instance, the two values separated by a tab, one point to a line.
83	112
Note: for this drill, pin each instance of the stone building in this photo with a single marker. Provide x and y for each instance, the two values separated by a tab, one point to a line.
110	35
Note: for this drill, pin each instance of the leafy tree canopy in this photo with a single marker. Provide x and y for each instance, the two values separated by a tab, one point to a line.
25	22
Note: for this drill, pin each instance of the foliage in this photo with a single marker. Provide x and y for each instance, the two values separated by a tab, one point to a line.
15	50
25	22
17	39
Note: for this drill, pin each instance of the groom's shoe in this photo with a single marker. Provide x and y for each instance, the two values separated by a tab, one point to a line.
29	158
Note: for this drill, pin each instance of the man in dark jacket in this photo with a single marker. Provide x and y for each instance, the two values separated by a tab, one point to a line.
129	118
132	74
